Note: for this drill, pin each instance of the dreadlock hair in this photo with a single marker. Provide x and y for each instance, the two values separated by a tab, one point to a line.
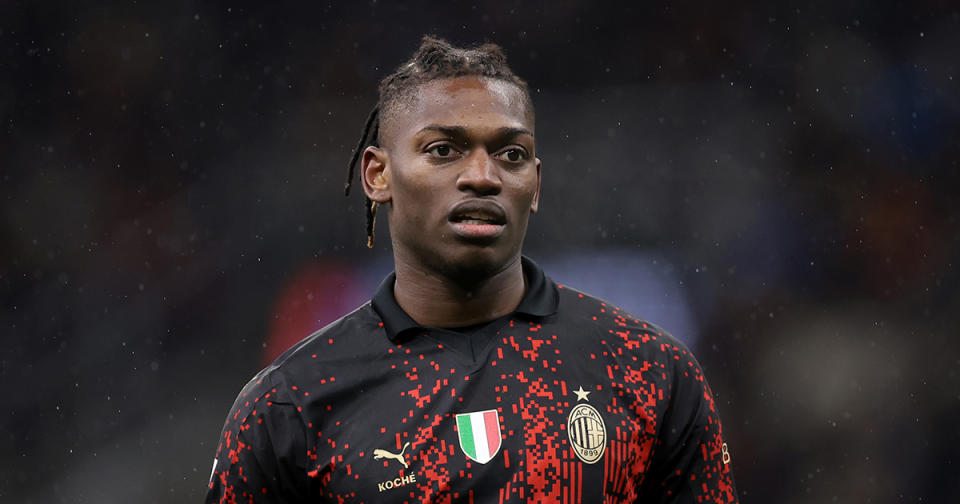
435	59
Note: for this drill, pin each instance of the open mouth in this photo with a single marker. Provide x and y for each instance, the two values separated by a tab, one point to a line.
479	212
478	219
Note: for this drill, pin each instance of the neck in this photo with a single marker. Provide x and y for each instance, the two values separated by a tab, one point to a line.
437	300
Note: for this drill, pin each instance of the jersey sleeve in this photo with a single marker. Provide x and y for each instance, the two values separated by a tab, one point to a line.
692	462
261	455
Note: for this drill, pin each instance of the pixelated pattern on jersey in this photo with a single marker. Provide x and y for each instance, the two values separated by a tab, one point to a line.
241	456
640	386
624	366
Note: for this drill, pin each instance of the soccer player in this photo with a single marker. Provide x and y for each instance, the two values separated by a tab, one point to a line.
470	376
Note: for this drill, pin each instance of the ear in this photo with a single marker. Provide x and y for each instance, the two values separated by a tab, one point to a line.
375	174
536	196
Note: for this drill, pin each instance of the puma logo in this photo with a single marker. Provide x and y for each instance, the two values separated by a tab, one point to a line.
381	454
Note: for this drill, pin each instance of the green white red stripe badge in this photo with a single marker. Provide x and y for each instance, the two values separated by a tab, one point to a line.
479	434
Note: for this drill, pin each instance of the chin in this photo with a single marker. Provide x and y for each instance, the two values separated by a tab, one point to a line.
473	263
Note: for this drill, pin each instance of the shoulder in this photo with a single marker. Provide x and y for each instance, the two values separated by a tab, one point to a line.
638	351
579	308
598	323
343	338
342	343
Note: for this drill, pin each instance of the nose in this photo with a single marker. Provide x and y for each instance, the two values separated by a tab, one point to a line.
480	174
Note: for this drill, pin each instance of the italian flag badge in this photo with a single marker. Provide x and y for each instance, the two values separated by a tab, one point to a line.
479	434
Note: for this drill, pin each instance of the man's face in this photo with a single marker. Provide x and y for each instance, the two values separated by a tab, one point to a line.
461	175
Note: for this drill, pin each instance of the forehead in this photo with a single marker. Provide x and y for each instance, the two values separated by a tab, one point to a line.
477	102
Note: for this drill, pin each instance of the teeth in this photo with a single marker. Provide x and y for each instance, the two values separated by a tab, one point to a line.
472	217
478	215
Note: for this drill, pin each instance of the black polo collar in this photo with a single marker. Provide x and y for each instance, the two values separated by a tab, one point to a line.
540	300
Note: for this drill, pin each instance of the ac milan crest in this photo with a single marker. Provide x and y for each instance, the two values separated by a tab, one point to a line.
588	434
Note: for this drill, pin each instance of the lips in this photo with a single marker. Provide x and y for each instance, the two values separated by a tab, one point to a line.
478	219
478	212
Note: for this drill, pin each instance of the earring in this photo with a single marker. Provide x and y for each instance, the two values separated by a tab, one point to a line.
373	221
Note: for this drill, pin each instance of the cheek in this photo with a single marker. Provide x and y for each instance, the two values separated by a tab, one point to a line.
526	189
413	200
410	190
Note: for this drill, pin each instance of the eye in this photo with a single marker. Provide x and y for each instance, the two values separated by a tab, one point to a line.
442	151
513	155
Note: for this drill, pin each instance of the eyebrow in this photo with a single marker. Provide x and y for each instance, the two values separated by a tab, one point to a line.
460	131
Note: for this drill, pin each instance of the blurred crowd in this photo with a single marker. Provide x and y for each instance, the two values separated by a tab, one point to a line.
776	185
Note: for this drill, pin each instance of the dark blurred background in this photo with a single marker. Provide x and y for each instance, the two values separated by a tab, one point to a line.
776	184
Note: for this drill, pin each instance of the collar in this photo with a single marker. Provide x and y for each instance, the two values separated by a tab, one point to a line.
540	300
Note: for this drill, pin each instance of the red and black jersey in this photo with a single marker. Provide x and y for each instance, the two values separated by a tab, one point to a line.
568	399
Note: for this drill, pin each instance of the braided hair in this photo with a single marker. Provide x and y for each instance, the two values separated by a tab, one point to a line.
434	59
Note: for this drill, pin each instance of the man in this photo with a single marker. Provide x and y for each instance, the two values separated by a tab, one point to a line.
470	376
